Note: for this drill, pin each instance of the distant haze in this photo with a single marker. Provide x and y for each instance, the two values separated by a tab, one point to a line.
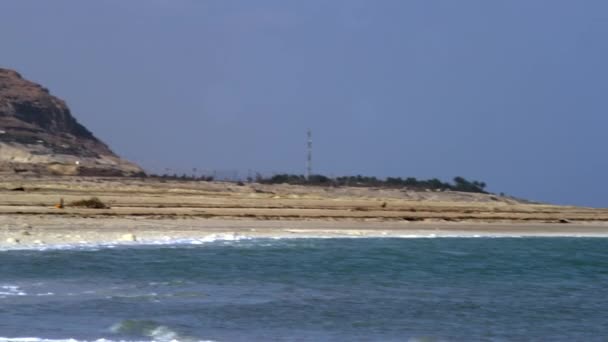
513	93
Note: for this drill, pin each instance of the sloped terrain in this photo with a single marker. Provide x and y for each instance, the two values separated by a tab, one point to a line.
39	135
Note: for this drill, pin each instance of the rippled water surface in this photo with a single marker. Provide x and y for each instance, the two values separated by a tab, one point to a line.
441	289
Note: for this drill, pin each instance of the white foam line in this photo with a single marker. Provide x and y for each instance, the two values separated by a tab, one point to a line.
166	241
233	237
40	339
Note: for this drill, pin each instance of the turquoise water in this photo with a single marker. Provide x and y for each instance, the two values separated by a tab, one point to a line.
436	289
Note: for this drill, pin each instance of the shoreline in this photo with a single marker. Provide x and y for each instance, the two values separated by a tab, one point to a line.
24	232
153	211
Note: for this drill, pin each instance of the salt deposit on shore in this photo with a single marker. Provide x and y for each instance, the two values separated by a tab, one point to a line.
49	231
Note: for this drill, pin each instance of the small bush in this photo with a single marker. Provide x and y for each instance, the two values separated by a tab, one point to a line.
92	203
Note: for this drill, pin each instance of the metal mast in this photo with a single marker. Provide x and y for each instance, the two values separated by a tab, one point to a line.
309	155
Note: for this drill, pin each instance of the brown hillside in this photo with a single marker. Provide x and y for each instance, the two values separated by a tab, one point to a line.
38	134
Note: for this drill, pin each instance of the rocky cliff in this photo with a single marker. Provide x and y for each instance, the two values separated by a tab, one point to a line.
39	135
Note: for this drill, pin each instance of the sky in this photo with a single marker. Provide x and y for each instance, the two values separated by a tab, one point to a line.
513	93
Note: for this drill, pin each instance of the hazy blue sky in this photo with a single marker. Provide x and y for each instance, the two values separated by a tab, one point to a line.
513	93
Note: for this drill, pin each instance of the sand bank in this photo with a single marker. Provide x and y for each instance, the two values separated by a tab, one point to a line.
149	210
174	199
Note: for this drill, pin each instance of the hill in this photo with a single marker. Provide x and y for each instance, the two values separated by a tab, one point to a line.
39	135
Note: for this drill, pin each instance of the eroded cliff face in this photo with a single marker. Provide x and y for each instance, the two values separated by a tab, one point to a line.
38	134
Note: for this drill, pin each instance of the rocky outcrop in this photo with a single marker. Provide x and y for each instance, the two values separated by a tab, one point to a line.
38	134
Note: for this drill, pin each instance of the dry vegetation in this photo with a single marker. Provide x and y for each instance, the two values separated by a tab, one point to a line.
92	203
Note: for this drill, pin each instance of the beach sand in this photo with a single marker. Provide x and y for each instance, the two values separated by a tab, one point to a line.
153	211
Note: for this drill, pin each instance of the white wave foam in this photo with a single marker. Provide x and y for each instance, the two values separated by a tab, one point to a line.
220	237
11	290
454	236
158	332
163	333
41	339
235	237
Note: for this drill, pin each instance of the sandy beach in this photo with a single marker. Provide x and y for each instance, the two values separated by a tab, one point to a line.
155	211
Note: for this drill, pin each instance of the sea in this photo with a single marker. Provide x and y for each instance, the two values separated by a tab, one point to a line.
310	289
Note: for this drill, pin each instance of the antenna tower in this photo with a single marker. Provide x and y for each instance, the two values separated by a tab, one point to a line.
309	154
